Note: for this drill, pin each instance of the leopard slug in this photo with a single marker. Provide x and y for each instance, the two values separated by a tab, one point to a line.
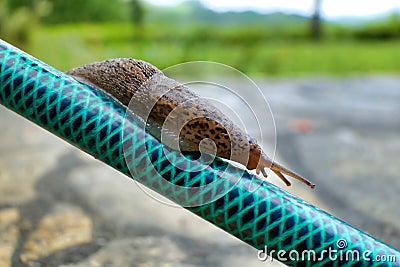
168	108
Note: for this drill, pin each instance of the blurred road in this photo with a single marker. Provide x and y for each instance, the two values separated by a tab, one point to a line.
59	206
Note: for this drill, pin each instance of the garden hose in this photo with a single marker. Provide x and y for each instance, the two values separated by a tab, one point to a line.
271	220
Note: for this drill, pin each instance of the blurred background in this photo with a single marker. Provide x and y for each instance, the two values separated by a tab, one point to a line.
285	38
330	71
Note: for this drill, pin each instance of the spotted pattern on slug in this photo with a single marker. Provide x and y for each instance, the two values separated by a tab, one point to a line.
164	104
124	79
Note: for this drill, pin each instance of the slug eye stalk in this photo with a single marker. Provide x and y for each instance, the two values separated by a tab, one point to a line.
278	169
127	79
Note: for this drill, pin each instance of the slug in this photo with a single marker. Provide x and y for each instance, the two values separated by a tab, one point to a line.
168	108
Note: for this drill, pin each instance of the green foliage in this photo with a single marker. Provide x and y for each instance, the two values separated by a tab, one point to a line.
257	44
87	11
68	46
67	11
382	30
232	27
17	24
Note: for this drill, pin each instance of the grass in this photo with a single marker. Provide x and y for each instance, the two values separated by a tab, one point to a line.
253	50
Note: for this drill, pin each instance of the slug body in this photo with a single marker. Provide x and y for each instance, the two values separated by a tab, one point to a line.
174	114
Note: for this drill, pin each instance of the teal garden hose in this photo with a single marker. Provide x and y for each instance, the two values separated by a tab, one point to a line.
267	218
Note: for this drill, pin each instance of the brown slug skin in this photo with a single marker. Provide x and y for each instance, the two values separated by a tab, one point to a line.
169	108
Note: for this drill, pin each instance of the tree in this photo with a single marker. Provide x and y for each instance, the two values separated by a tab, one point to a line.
17	23
316	31
137	12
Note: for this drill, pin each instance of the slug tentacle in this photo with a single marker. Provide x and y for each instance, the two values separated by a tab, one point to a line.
163	105
266	162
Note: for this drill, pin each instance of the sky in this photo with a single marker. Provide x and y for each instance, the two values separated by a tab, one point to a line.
331	8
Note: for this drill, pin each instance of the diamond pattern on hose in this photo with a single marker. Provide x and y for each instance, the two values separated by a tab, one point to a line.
267	216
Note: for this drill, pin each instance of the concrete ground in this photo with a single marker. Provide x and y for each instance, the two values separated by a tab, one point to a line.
59	206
